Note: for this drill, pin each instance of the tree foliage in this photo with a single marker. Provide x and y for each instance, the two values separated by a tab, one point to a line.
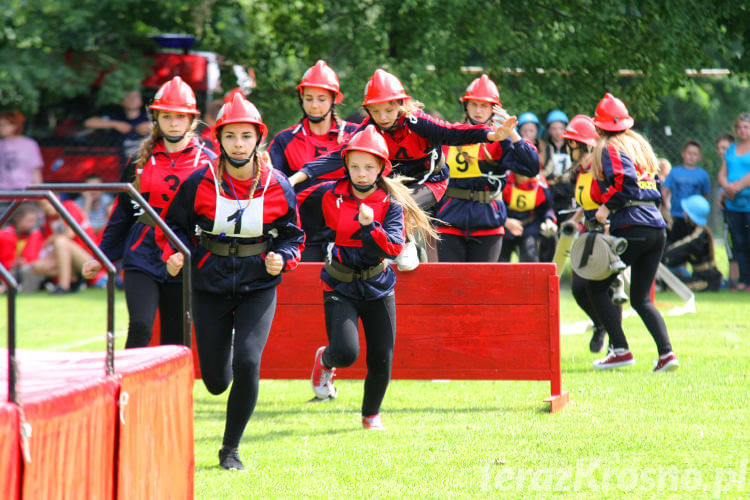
545	54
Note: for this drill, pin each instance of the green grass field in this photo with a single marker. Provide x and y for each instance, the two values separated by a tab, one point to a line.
628	433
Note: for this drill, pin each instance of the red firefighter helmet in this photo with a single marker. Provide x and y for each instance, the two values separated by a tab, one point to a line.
370	141
582	129
612	115
482	89
321	76
230	95
240	110
175	96
383	87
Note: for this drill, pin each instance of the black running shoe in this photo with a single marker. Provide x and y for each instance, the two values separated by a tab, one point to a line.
597	339
229	458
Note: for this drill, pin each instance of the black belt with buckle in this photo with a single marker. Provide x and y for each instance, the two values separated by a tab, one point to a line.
233	247
347	275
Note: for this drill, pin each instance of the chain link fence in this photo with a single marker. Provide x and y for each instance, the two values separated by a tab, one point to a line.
668	142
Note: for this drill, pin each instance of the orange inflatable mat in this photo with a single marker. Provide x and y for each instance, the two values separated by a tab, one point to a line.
10	459
96	436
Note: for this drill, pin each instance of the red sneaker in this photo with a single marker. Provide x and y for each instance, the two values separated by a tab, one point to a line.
373	423
615	359
322	377
666	363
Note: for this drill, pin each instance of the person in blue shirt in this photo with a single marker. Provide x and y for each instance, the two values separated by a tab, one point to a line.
734	178
682	182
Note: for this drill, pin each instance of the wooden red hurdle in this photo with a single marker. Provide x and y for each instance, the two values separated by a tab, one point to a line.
454	321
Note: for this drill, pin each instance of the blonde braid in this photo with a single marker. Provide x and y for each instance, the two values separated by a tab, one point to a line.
144	153
258	165
340	124
220	172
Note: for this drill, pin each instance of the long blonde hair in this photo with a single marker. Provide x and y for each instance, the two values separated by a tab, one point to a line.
629	142
146	149
416	220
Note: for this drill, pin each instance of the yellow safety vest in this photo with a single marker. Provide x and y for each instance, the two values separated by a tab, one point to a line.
583	191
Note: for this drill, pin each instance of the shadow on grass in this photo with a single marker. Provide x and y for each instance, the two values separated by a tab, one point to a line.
540	407
273	435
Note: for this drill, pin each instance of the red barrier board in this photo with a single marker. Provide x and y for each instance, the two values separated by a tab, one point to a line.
454	321
10	459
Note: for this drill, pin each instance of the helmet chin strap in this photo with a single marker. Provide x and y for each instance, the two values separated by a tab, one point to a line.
234	161
315	119
174	139
390	128
475	122
363	189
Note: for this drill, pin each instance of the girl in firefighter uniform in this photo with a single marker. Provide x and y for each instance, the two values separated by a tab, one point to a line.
472	212
239	218
530	212
319	132
167	157
625	168
363	218
414	141
581	137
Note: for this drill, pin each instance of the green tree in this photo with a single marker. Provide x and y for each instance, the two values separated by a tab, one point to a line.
543	55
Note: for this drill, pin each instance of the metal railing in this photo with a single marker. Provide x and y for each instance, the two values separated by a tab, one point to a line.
48	195
159	222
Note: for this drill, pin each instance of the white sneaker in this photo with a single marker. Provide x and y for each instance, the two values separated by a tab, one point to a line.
322	377
408	259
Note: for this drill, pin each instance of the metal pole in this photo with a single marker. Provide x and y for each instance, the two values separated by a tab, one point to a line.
187	284
12	288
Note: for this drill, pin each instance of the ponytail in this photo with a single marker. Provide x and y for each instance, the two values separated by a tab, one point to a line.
416	220
632	144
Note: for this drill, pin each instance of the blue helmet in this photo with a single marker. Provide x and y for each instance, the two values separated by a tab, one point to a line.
557	116
529	117
697	208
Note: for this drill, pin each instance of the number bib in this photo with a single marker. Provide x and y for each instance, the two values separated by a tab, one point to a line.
522	200
162	181
244	222
583	191
464	163
562	163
